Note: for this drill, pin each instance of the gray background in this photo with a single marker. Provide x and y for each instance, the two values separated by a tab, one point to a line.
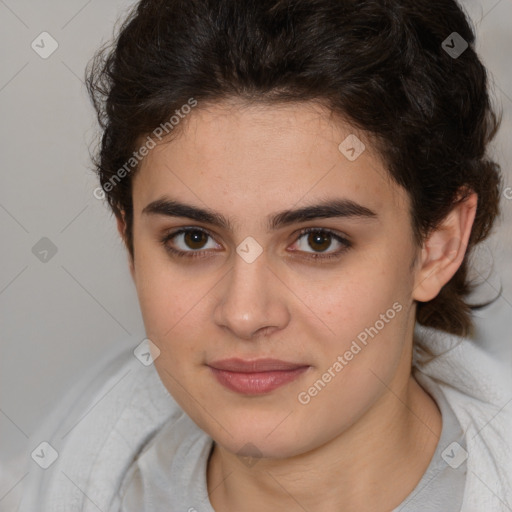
59	317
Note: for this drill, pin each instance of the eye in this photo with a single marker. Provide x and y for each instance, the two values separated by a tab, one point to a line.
188	242
192	242
320	240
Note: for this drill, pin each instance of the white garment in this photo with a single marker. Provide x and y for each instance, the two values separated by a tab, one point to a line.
171	472
99	436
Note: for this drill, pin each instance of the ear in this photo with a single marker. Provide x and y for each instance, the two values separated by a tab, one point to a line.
444	249
121	228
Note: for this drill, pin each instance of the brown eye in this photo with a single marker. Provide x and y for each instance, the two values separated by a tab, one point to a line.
314	242
189	242
320	241
195	239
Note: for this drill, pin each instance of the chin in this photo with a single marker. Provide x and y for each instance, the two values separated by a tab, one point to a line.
257	443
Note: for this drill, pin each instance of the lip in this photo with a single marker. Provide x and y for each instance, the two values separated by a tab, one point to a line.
255	377
254	366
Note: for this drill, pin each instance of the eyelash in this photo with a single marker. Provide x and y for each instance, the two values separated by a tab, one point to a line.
204	254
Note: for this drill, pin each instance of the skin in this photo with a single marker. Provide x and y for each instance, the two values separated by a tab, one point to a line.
363	442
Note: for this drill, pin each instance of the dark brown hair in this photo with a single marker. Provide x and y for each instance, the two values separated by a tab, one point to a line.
381	65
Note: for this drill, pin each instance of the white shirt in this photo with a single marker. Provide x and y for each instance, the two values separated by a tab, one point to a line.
170	473
117	420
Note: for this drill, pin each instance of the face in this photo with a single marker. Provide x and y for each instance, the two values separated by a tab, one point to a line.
251	282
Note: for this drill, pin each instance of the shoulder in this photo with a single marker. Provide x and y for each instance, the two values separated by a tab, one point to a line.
478	387
169	472
94	433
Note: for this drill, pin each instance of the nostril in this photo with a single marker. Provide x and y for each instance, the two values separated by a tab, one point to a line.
264	331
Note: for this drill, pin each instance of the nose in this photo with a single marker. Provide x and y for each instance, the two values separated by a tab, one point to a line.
252	301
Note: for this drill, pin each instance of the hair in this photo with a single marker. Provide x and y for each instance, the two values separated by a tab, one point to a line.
380	65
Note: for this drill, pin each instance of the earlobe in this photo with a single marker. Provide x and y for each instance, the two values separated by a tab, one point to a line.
132	267
444	250
121	228
121	225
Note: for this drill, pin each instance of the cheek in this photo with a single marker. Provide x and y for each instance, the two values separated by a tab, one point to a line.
366	312
168	297
353	299
367	332
368	315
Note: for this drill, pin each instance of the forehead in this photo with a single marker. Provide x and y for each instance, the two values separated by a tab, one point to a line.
261	158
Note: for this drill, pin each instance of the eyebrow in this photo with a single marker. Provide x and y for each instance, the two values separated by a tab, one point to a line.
332	208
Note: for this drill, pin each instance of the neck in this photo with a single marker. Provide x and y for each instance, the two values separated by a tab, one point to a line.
373	465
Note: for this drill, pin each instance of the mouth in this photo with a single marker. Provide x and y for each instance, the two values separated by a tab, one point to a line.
255	377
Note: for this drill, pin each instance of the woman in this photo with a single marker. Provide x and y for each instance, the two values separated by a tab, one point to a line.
299	184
